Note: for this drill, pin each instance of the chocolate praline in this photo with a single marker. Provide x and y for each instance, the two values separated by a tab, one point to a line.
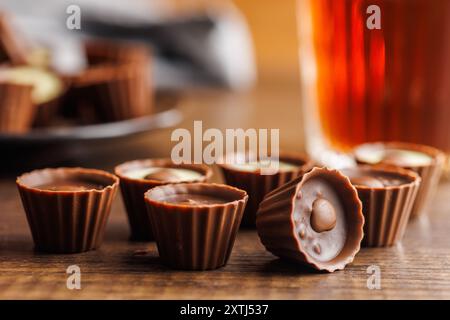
138	176
16	108
426	161
388	196
115	86
67	208
315	220
247	175
195	224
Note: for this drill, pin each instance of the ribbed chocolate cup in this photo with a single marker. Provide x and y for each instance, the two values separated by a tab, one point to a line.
67	221
258	185
386	210
116	85
112	52
277	228
47	112
195	237
430	174
133	191
16	108
113	92
12	48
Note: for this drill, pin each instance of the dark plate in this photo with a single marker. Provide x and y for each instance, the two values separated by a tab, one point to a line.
87	145
104	131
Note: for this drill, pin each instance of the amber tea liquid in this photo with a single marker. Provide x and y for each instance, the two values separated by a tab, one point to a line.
362	84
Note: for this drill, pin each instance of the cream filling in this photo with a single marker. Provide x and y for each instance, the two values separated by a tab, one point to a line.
258	165
178	173
408	157
46	85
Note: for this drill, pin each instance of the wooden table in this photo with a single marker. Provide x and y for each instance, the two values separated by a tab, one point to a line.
419	268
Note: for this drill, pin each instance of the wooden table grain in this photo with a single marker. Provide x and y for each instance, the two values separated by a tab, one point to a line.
418	268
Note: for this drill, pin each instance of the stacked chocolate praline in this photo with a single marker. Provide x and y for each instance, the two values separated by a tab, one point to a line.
309	215
115	85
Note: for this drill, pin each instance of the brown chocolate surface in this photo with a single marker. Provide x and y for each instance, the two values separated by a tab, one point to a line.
67	179
194	199
71	185
194	194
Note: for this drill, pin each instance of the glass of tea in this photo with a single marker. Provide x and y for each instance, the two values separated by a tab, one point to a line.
374	70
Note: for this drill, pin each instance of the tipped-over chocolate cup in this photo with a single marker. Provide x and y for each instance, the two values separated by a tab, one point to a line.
67	208
195	224
257	185
12	46
16	108
315	220
427	161
387	195
138	176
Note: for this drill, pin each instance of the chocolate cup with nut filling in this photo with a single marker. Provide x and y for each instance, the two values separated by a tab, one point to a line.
133	189
387	195
315	220
258	185
67	208
426	161
16	108
195	224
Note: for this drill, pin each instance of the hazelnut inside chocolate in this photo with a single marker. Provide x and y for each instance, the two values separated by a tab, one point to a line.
164	174
320	219
323	215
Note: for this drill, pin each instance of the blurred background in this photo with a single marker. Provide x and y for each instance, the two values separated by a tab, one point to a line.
232	64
